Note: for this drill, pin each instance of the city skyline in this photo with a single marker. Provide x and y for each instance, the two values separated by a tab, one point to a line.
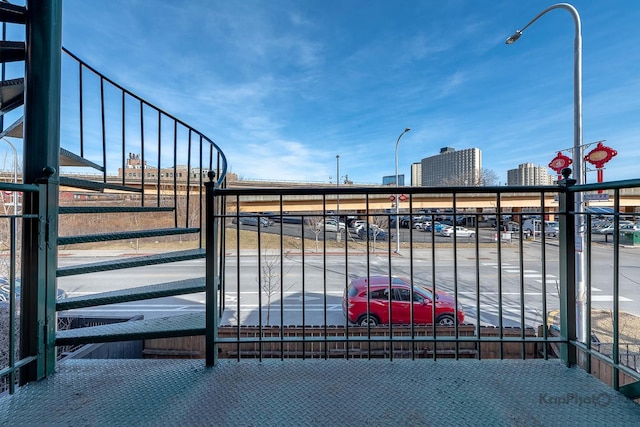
283	87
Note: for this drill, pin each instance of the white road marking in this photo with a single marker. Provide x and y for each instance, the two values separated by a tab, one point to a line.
608	298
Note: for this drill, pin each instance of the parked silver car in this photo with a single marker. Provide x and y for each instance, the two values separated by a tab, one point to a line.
253	220
333	225
551	228
459	231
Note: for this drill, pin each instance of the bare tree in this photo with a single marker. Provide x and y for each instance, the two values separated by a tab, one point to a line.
135	219
480	178
381	221
315	223
271	277
376	228
489	177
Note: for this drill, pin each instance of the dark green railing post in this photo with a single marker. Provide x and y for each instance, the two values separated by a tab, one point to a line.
212	280
40	152
49	189
567	266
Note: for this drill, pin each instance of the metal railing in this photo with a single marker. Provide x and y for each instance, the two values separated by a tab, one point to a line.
116	131
286	278
288	270
620	258
11	222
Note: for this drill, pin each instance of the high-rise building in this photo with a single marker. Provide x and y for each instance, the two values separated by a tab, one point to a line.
416	174
529	174
452	167
391	180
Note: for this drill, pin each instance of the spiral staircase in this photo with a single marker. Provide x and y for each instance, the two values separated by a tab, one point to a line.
169	194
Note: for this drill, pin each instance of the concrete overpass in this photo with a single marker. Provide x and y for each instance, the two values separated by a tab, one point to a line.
353	199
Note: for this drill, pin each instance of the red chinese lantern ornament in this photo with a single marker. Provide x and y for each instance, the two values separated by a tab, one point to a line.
560	162
598	157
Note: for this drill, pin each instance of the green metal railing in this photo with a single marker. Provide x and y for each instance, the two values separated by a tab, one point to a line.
11	221
585	351
339	256
233	207
115	123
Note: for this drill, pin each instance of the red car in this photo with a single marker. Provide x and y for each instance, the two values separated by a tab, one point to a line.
366	302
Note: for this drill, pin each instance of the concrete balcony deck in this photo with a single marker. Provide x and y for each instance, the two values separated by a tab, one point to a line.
318	392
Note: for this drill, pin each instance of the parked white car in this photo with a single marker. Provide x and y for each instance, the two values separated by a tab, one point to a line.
459	231
533	227
333	225
609	229
630	227
423	225
356	225
551	228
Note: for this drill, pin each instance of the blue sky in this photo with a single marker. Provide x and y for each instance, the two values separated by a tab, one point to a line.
284	86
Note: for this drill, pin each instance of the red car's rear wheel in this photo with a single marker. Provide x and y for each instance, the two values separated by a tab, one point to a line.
368	320
445	320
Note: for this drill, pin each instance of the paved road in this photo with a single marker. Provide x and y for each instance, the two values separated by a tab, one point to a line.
308	284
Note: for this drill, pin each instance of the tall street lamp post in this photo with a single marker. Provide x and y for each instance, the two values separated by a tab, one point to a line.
577	160
397	196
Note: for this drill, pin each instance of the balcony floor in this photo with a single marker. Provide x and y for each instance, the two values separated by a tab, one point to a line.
317	392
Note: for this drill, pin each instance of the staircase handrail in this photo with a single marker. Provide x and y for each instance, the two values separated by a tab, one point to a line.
222	167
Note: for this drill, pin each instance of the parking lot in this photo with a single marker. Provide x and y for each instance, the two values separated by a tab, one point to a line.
485	234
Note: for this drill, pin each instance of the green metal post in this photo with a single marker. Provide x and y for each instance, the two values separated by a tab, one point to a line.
211	224
567	251
40	153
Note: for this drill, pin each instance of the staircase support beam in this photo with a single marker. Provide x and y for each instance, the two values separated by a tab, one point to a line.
212	283
40	153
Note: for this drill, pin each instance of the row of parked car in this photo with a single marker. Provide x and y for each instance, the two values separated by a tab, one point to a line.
415	221
359	228
356	227
443	229
607	227
266	219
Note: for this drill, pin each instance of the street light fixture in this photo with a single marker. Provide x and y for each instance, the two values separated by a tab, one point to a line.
397	196
577	158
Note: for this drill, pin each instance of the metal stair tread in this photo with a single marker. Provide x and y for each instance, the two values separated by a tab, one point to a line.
14	130
13	13
159	290
112	209
191	324
96	185
11	51
136	234
631	390
138	261
15	88
67	158
11	95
